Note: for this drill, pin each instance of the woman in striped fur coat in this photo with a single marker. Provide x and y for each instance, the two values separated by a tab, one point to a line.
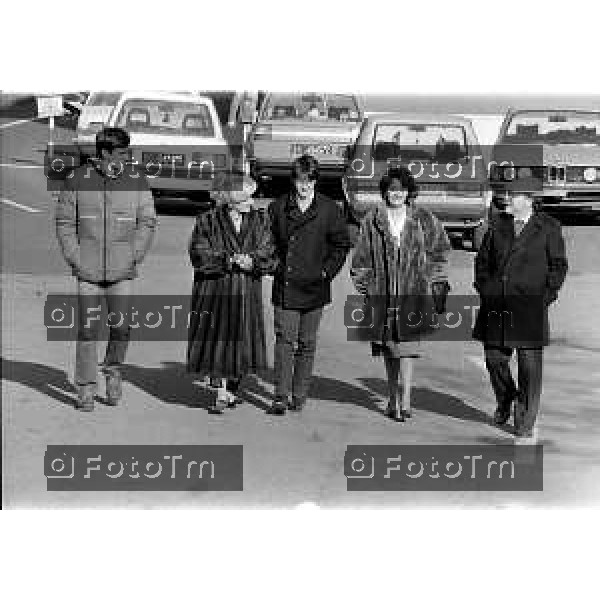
231	249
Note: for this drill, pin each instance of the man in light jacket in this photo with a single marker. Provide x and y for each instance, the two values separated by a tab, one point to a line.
105	222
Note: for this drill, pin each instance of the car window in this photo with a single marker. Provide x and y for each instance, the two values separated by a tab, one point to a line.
311	107
554	127
103	99
420	141
163	117
222	101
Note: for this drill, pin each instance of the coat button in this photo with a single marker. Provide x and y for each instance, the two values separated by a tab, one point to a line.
289	269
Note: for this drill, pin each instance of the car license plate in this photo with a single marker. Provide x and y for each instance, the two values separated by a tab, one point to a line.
173	158
323	149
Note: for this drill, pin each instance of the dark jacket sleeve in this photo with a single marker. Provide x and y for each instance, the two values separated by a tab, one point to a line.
362	270
557	262
338	240
206	256
145	225
483	262
66	226
264	258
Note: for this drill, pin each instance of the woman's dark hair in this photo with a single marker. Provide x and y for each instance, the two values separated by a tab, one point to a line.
305	165
110	138
404	177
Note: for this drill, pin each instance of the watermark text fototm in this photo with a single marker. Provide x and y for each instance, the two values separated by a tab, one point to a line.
144	468
444	468
149	317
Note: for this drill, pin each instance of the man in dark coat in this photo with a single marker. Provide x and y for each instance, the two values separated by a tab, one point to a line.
519	270
312	241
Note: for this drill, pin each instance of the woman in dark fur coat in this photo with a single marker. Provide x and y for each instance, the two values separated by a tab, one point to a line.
231	250
399	264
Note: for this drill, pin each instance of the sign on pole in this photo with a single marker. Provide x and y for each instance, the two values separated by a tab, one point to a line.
50	107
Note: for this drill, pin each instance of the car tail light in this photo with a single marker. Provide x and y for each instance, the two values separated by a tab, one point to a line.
502	172
580	174
262	132
591	174
218	160
151	157
93	127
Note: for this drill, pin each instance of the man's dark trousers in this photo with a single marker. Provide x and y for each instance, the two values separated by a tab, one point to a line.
529	365
295	347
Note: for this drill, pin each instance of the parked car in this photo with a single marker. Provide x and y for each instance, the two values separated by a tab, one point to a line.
443	154
92	112
176	139
237	112
292	124
553	153
93	116
180	135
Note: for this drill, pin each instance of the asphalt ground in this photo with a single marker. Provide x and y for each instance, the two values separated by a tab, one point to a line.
287	460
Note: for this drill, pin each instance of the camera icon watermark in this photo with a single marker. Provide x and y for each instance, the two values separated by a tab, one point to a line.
358	313
60	317
59	467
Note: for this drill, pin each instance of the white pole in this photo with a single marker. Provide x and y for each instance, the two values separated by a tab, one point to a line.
51	140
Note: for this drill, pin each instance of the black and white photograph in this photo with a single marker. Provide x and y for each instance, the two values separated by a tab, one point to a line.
365	290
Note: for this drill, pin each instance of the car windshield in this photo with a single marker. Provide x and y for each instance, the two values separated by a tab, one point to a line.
554	127
311	107
103	99
420	141
164	117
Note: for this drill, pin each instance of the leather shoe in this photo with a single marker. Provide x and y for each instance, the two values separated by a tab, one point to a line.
114	387
85	400
278	407
501	417
297	404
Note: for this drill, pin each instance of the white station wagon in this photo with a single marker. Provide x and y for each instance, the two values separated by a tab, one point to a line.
176	139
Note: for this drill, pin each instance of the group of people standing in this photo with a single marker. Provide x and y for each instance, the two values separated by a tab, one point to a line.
303	241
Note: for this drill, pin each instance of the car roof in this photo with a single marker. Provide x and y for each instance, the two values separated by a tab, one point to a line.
392	117
515	111
166	96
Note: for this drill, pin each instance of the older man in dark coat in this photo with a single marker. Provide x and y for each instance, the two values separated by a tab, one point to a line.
519	270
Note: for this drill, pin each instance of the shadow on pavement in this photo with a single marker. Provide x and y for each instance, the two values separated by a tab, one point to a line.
434	401
42	378
169	383
321	388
